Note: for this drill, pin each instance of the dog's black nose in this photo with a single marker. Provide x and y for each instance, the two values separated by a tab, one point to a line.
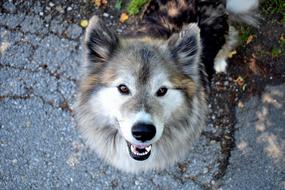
143	132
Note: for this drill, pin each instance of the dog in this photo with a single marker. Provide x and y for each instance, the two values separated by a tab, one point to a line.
142	98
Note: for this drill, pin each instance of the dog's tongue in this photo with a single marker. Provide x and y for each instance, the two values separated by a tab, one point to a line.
140	146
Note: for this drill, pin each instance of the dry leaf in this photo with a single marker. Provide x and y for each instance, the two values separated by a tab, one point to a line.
282	37
240	81
244	87
241	105
84	23
249	39
232	53
253	66
104	2
124	17
99	3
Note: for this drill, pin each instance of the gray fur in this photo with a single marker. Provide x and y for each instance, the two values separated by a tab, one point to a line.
244	10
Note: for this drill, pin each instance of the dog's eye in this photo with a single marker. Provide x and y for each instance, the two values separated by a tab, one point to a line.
161	92
123	89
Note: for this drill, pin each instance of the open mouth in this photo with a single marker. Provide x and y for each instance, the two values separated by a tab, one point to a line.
139	152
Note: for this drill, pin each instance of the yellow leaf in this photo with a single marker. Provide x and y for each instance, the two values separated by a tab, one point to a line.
124	17
104	2
99	3
232	53
249	39
240	81
282	37
84	23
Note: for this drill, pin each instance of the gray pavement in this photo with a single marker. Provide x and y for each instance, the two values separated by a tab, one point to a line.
258	161
40	146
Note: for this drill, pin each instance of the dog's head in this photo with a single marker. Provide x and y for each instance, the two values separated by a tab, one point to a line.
140	87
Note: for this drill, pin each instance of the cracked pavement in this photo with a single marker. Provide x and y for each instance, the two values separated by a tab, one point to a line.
41	148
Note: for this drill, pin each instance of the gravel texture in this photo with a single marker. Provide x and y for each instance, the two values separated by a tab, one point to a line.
39	143
258	161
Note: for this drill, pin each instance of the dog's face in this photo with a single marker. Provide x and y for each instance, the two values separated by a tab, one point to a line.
141	92
140	87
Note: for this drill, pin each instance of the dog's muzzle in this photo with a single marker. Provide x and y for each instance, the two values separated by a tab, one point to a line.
141	132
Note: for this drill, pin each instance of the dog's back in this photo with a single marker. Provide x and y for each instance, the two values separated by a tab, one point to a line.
162	18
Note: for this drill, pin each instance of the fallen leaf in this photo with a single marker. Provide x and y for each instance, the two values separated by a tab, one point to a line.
99	3
241	105
282	37
84	23
232	53
249	39
104	2
239	81
183	167
124	17
244	87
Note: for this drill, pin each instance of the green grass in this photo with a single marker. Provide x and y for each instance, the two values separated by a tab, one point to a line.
279	50
245	32
274	7
135	6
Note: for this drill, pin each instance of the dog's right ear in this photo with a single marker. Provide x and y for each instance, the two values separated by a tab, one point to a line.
99	41
185	48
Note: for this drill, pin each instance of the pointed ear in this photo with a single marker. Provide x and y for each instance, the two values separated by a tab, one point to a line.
185	48
100	43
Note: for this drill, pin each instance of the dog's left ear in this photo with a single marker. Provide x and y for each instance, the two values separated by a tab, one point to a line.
99	41
185	48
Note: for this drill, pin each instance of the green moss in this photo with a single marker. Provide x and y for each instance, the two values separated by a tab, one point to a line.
276	52
244	34
135	6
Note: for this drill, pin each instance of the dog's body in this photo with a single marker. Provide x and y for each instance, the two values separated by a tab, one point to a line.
143	98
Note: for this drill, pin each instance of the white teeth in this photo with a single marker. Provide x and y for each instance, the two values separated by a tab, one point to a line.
148	148
133	149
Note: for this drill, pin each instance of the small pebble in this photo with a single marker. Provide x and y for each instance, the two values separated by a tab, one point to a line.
51	4
119	30
137	182
59	9
240	105
205	170
106	15
41	14
69	8
14	161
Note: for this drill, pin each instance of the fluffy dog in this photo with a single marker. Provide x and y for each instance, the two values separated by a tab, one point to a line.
143	96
